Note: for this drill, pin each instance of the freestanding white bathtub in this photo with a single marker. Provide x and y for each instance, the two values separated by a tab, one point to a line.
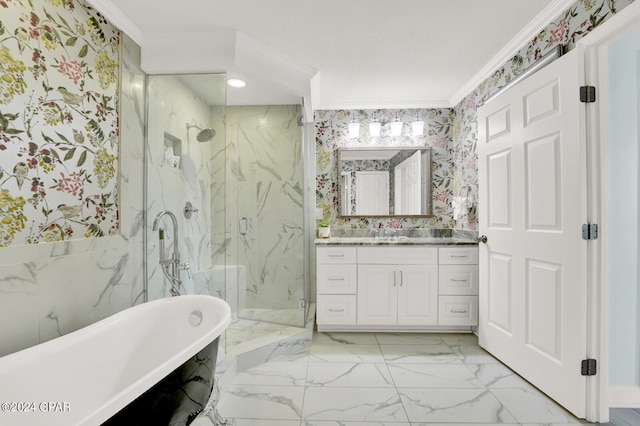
86	377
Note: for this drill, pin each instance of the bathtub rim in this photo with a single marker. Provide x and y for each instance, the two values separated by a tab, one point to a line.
136	389
103	411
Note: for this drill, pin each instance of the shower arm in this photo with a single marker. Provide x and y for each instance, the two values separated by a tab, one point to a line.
172	266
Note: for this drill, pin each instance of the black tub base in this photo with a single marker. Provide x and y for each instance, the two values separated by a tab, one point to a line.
177	399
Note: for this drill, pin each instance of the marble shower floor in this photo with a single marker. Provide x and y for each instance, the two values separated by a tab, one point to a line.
259	327
358	379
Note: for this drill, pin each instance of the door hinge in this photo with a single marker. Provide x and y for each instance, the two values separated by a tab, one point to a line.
588	367
590	231
302	304
587	94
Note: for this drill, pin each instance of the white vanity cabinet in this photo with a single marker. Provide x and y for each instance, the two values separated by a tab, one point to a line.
458	286
397	288
336	275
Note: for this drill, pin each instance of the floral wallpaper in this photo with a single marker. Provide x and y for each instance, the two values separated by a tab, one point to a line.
59	130
452	133
576	22
332	132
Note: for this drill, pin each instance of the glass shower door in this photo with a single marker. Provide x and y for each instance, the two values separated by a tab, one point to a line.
270	215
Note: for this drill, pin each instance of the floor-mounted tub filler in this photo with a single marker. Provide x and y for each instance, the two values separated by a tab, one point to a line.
152	364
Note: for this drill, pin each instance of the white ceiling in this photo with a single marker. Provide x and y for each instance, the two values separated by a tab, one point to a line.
351	53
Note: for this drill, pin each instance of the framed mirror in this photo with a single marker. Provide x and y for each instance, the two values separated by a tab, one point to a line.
384	182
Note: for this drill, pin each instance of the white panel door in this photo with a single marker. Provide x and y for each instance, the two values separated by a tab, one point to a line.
532	204
407	185
372	193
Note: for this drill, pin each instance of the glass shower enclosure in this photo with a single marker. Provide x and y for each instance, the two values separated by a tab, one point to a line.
266	190
234	178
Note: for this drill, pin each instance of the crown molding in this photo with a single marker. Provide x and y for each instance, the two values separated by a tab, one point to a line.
118	19
552	11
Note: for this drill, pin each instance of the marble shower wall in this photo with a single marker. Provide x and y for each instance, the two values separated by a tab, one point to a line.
332	132
172	104
264	184
218	206
51	289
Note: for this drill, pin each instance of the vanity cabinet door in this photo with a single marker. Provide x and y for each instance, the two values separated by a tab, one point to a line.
418	295
397	295
377	295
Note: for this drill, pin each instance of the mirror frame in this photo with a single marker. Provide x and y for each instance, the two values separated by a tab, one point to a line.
339	152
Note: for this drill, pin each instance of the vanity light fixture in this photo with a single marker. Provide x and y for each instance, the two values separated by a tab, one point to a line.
417	127
396	127
236	82
374	127
354	128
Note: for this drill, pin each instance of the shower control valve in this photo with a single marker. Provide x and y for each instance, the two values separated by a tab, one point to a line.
189	210
185	267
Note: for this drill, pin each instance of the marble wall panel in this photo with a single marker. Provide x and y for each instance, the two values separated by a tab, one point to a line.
19	321
64	305
172	104
217	189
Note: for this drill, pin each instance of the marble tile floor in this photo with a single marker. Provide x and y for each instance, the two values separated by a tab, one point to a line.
261	327
358	379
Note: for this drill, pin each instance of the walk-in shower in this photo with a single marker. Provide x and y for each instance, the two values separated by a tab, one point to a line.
248	238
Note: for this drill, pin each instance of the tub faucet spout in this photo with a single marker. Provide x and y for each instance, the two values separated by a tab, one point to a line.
171	266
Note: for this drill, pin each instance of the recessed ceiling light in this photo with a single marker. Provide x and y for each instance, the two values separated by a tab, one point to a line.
236	82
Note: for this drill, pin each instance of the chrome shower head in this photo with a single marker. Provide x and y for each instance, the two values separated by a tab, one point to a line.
204	135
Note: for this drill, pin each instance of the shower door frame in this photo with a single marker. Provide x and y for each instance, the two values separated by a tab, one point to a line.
307	140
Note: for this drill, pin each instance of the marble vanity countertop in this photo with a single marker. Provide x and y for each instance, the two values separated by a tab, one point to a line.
349	237
400	241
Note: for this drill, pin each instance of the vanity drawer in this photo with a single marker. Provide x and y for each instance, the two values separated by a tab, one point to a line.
333	255
458	310
337	279
456	280
398	255
336	309
463	255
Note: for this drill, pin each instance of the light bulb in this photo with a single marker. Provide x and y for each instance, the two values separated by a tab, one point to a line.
396	128
374	129
417	127
354	130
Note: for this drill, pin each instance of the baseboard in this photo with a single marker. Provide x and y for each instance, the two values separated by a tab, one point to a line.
624	396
